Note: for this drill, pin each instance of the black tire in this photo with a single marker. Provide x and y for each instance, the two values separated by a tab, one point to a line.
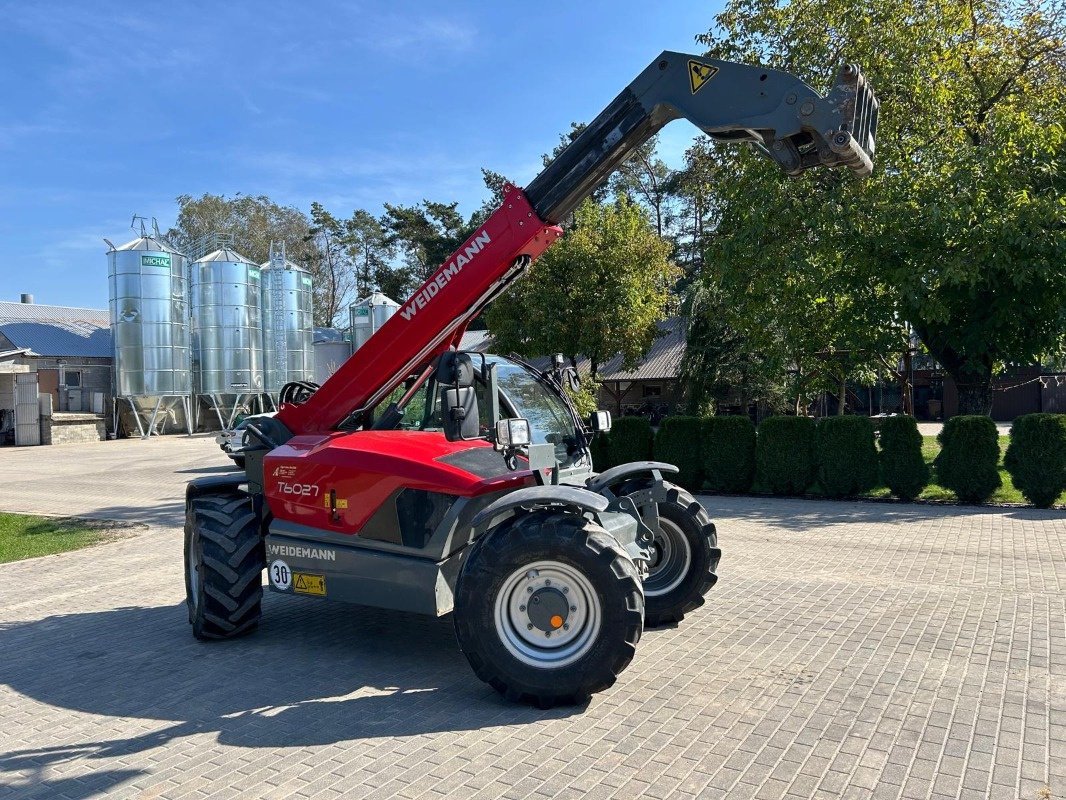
576	544
692	529
239	461
224	562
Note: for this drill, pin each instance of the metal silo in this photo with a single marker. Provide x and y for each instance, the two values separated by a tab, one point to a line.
227	337
149	305
368	315
288	325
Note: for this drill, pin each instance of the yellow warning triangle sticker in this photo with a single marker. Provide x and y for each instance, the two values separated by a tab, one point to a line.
300	582
699	74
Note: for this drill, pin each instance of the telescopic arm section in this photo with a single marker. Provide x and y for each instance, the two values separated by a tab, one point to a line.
783	117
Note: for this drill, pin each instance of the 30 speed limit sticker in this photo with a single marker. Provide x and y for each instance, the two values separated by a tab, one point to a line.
280	575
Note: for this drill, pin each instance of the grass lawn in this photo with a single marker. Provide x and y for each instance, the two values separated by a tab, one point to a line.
23	536
934	491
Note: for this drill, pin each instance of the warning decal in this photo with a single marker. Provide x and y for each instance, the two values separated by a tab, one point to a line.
699	74
302	583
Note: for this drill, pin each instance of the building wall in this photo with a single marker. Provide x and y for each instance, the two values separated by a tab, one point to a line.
634	395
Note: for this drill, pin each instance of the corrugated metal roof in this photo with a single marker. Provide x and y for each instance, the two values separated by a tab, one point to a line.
476	341
328	335
57	330
60	338
16	312
661	363
663	360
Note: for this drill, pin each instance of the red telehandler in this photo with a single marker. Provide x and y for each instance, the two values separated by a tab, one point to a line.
430	480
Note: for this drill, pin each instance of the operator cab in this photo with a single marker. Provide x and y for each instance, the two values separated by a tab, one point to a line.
456	399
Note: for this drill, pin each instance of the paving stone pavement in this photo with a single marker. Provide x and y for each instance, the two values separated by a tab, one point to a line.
852	650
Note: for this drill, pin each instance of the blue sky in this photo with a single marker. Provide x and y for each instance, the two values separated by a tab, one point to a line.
111	109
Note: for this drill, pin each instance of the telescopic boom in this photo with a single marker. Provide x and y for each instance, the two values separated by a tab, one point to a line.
779	114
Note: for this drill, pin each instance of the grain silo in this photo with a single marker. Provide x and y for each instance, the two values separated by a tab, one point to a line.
149	307
368	315
288	326
227	336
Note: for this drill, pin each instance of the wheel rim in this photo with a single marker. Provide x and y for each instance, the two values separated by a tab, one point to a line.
194	573
547	614
671	559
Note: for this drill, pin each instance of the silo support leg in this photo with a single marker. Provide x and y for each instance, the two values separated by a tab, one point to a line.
136	416
151	420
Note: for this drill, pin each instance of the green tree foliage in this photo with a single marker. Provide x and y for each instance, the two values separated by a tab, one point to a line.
961	231
721	365
727	446
253	222
784	454
599	291
1036	457
425	235
677	442
332	267
968	461
847	456
370	251
903	469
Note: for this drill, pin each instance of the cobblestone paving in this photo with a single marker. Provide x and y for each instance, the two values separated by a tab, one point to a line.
849	650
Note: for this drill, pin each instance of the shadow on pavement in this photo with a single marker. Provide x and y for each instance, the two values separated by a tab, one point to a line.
219	470
799	514
157	514
98	783
290	684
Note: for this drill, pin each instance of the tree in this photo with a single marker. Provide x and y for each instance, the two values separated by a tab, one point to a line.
962	230
369	249
253	222
332	267
425	234
645	178
599	291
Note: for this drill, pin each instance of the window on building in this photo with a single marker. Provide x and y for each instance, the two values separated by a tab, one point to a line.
653	390
72	380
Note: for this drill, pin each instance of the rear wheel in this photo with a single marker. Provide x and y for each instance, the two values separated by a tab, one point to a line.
549	609
685	555
224	561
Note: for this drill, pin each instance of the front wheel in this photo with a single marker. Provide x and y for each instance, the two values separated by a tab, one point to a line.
549	609
224	562
685	555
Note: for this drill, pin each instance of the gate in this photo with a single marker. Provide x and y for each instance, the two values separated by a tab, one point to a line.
27	409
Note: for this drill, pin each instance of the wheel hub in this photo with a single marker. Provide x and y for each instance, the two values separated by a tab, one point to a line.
548	609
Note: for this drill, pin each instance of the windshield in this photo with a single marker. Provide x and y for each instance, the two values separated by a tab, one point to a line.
522	394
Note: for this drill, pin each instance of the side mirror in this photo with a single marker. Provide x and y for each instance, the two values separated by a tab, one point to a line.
459	414
512	433
600	421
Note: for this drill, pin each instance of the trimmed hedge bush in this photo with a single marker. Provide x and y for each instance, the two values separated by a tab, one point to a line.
847	455
784	454
677	442
903	469
1036	457
601	459
727	445
968	462
629	440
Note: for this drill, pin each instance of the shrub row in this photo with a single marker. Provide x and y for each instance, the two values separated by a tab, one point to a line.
792	454
1036	457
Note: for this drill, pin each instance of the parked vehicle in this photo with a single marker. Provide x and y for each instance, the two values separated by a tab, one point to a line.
232	441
